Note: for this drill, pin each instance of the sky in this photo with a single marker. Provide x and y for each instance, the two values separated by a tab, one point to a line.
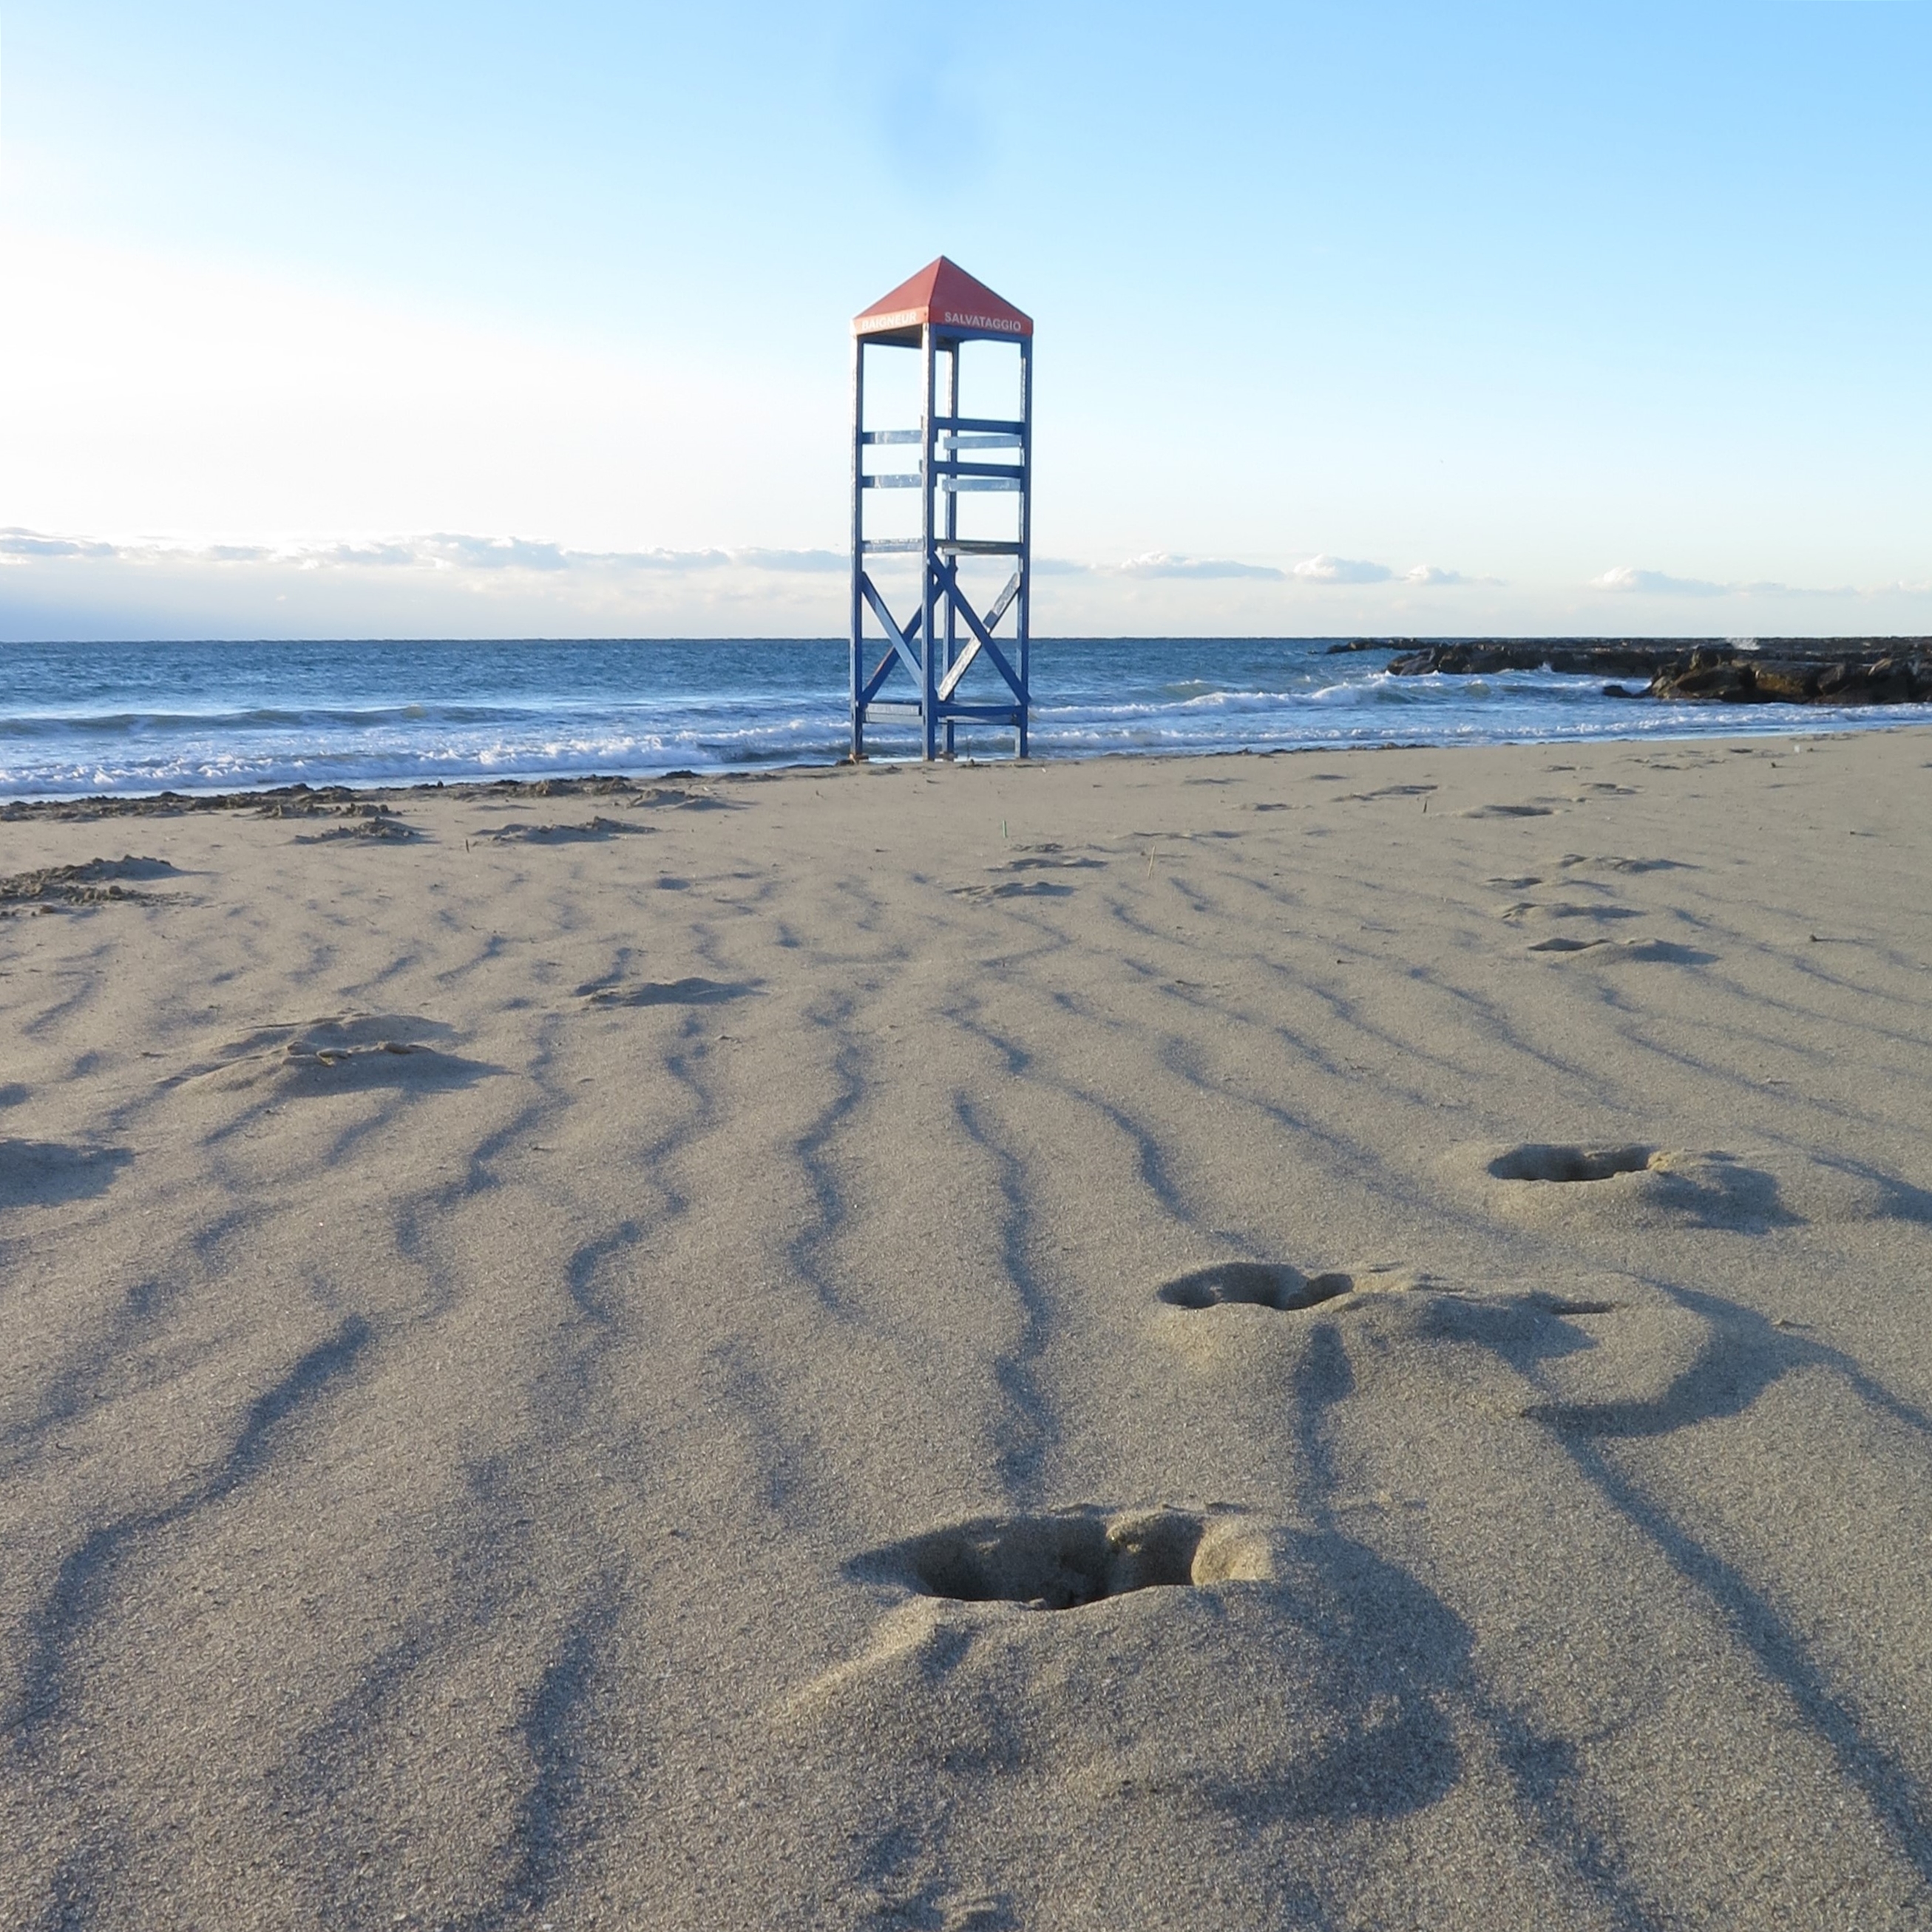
504	320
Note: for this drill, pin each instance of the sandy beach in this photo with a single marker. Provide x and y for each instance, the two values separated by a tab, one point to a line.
1332	1340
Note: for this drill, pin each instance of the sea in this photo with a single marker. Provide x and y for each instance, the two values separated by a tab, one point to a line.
82	718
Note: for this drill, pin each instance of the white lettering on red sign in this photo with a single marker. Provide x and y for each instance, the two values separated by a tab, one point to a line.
877	324
1005	325
907	318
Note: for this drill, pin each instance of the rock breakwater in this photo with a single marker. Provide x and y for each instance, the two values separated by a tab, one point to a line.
1767	671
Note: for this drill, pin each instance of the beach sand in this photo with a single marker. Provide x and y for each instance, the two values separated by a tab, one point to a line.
1331	1340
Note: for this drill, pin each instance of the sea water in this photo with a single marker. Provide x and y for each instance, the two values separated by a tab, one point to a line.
79	718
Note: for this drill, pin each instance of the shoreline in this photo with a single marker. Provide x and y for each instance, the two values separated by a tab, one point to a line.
169	802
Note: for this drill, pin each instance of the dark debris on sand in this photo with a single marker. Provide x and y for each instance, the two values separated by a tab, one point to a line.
93	883
302	801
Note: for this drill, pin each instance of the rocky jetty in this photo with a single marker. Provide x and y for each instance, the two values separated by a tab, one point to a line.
1765	671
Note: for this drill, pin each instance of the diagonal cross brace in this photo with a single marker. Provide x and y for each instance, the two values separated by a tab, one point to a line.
882	669
948	574
900	640
964	662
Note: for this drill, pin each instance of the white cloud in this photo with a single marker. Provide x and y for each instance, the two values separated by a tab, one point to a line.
1805	590
1626	578
1322	569
454	583
1161	563
1326	569
441	550
18	545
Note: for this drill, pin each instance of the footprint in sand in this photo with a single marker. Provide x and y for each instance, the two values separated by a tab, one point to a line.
564	835
1506	811
1275	1285
1505	1351
1520	910
1634	1185
1056	1651
1228	1315
691	992
1617	864
335	1055
1634	952
1641	1185
1014	889
1062	1559
1257	1284
1567	1166
1285	1290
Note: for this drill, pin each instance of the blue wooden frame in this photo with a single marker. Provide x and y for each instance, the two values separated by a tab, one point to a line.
928	652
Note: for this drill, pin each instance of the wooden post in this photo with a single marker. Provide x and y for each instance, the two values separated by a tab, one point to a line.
952	527
928	651
1023	563
858	546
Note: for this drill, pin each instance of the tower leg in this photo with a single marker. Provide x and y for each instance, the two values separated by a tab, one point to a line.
858	612
1023	616
952	527
928	642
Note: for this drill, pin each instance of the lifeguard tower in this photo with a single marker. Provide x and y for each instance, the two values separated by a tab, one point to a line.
943	666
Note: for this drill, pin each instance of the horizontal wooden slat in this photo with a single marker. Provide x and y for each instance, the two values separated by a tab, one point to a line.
991	423
948	546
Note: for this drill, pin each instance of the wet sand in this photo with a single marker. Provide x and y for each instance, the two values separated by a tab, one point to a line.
1333	1340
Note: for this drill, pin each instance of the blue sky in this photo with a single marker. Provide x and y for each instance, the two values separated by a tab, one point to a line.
503	318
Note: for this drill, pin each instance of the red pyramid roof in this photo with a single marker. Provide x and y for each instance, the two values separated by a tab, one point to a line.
943	295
